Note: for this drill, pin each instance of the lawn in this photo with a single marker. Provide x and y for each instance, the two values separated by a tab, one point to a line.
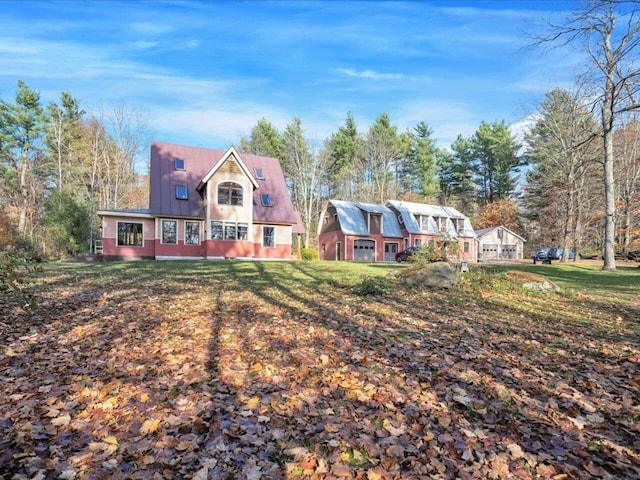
267	370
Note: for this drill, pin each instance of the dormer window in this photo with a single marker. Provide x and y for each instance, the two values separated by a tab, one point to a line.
182	193
230	193
266	200
259	173
178	164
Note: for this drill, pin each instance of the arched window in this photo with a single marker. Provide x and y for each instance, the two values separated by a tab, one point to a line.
229	193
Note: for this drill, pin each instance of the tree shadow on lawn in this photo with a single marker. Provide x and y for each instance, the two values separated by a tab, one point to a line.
90	375
257	372
465	390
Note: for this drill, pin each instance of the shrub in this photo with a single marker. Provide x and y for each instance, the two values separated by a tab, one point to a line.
309	254
371	286
427	255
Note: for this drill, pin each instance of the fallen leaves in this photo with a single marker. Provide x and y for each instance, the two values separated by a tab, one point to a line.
221	374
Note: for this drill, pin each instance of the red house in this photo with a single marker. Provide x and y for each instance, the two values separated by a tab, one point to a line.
206	204
364	232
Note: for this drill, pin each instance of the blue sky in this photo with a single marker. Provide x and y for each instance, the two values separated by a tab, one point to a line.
204	72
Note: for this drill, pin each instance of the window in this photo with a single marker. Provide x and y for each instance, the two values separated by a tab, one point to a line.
442	224
431	243
129	234
178	164
243	231
216	230
191	233
418	242
266	200
259	173
182	193
424	222
268	236
229	193
466	247
169	231
229	230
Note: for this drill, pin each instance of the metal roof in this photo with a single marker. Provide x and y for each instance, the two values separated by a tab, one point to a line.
354	222
199	163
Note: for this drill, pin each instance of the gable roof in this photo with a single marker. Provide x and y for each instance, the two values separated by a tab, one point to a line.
231	153
200	164
484	231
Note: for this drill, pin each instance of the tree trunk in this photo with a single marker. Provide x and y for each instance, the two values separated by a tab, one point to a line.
609	198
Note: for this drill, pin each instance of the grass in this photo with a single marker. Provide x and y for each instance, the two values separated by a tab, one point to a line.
307	369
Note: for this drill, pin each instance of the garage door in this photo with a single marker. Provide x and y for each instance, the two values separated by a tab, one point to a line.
489	251
509	251
390	251
364	251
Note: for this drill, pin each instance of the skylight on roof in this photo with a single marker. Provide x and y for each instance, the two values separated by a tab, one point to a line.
266	200
178	164
259	173
182	193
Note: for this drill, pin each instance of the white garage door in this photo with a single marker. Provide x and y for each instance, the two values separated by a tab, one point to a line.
489	251
364	251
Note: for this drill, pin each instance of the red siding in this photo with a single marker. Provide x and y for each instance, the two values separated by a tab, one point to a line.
279	251
329	241
229	248
111	250
179	250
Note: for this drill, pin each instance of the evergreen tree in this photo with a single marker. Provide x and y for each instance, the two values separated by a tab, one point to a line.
494	161
264	140
422	161
344	151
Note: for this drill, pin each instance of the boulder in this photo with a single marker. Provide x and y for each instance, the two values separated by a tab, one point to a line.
432	275
533	281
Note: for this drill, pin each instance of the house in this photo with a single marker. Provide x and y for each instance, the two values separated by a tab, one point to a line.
206	204
371	233
499	243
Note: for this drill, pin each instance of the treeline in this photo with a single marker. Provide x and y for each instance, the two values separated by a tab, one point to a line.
383	163
548	188
58	166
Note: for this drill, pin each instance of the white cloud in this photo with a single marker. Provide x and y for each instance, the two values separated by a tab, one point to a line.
369	74
149	28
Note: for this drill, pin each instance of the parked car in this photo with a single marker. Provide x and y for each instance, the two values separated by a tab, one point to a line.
406	254
540	255
546	255
556	254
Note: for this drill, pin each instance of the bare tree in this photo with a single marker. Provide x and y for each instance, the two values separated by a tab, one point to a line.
608	31
627	145
305	171
129	132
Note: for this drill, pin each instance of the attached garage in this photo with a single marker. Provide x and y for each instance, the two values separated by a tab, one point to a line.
364	251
